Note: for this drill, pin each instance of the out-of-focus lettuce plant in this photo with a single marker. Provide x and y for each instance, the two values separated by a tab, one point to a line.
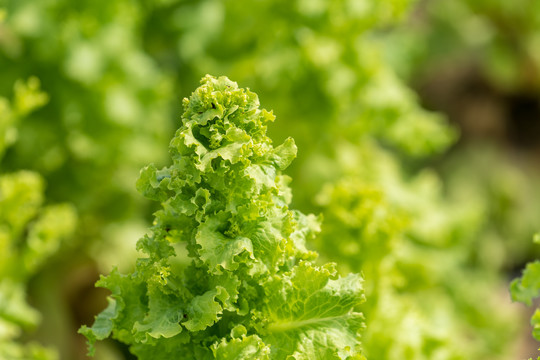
30	231
108	106
490	49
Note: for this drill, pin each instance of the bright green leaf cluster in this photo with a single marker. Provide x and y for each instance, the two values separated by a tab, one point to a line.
250	289
527	288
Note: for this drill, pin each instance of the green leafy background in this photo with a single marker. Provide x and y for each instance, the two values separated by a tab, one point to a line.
434	210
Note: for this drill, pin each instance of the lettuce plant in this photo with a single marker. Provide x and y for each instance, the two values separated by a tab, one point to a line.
527	288
250	289
428	297
107	114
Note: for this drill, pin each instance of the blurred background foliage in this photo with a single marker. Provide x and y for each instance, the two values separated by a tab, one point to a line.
436	208
30	232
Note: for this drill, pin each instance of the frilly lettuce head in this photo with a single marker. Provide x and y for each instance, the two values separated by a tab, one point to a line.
225	272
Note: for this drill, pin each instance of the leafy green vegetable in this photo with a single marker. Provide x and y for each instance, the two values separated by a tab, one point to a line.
527	288
251	288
